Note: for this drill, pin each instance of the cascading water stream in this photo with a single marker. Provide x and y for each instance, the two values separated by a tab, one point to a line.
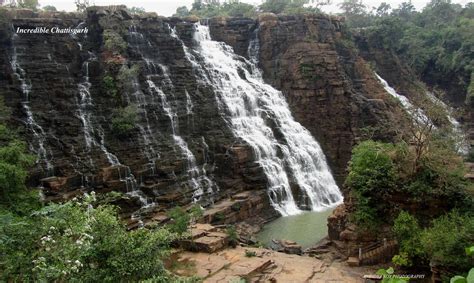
462	144
416	113
251	106
39	134
85	113
419	116
197	178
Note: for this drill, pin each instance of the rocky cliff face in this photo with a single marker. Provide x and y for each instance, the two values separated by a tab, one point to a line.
65	91
330	88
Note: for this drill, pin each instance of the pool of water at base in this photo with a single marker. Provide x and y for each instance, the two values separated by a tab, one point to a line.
306	228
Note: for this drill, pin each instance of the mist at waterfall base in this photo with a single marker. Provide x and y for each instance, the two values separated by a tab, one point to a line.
306	228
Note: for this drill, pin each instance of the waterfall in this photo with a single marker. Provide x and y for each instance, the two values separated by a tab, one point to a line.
258	113
419	116
85	113
38	145
197	176
461	140
416	113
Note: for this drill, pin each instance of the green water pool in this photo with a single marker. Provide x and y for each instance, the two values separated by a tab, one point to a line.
306	228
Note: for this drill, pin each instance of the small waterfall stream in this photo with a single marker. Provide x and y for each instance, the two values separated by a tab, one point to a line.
419	116
198	180
416	113
461	140
38	144
94	135
257	113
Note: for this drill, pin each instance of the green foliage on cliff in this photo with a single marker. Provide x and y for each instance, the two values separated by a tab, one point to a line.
124	120
436	42
287	6
236	8
381	174
209	9
114	42
441	243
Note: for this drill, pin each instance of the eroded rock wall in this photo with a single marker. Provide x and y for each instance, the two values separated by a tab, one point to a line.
331	90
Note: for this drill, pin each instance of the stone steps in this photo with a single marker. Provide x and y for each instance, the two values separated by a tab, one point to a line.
379	254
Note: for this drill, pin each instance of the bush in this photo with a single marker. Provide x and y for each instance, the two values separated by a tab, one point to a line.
447	239
78	241
372	170
110	85
408	233
113	42
180	220
250	253
233	236
126	76
124	121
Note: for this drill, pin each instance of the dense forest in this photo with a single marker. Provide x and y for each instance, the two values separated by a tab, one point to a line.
415	185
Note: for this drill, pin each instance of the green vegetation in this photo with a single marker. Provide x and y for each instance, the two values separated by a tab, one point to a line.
110	85
233	236
136	10
81	240
114	42
442	242
23	4
436	42
180	218
81	5
236	8
126	76
380	171
49	8
250	253
470	276
124	120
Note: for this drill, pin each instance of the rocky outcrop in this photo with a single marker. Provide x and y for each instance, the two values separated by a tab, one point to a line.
69	93
73	110
330	89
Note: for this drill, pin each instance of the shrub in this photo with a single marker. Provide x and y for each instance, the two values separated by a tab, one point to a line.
250	253
113	42
233	236
180	220
124	121
110	85
447	239
126	76
78	241
372	170
408	233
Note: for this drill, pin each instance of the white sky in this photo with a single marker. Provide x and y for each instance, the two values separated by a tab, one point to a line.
168	7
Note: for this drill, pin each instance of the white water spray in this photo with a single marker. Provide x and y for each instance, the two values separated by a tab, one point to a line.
251	106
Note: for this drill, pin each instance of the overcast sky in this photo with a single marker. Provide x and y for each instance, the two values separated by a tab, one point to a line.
168	7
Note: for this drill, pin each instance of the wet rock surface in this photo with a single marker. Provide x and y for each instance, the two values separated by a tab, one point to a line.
330	91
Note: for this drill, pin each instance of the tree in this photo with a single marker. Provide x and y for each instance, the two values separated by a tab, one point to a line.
383	10
50	8
352	7
81	5
136	10
27	4
181	12
356	12
405	10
